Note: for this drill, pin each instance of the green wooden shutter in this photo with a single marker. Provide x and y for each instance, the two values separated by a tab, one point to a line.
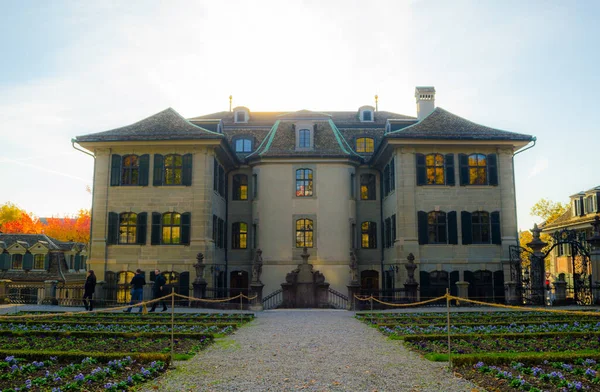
467	228
77	265
156	234
597	201
142	222
393	229
581	207
115	170
28	261
421	170
158	170
463	161
4	261
449	163
492	166
452	228
186	219
392	174
187	169
496	237
47	261
144	170
422	221
113	228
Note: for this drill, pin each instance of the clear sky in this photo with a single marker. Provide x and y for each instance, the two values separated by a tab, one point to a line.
73	68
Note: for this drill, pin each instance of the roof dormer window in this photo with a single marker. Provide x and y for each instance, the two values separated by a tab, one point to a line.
304	136
366	114
241	115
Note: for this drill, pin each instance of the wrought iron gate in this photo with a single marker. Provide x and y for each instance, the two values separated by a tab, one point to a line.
530	281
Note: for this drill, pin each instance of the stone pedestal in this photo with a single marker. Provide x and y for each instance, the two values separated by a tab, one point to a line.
560	291
4	290
411	291
353	289
256	290
199	289
510	293
50	292
462	289
305	288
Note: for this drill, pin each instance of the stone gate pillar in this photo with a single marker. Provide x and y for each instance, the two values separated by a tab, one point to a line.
537	269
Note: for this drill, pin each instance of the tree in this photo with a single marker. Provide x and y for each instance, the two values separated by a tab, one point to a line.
25	224
548	210
74	228
9	212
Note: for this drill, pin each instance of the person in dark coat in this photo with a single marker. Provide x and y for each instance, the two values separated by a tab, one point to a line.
158	290
88	290
137	289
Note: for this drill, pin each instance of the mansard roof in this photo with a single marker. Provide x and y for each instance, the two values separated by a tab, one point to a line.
28	240
166	125
443	125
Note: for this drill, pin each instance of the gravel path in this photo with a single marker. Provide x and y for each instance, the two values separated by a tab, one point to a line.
312	350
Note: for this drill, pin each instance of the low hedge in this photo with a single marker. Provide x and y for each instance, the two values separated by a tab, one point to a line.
193	335
525	358
100	356
473	336
36	322
458	324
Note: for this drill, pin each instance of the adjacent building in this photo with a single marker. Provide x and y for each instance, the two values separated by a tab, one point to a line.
377	183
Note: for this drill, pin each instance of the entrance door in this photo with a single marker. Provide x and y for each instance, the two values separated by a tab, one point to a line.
369	283
238	283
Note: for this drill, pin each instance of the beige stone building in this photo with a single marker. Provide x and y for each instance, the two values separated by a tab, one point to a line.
380	183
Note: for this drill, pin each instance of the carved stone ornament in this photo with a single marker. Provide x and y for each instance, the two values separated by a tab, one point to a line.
257	264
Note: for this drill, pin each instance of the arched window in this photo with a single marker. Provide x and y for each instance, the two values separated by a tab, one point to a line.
434	164
173	169
367	187
304	233
17	261
368	235
171	228
127	228
243	145
240	187
480	223
239	235
304	138
365	145
477	169
130	170
38	261
304	182
437	227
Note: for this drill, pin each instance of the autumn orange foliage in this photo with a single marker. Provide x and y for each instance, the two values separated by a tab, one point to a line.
70	228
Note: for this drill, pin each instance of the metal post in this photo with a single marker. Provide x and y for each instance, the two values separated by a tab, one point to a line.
448	327
172	322
371	308
241	307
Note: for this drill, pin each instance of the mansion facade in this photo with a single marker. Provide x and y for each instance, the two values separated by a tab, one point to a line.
379	184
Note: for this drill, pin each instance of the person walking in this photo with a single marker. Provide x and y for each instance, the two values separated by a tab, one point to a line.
158	290
137	289
88	290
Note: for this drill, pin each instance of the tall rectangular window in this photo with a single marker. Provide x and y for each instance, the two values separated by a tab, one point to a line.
367	186
254	236
304	182
240	187
369	235
304	138
352	186
304	233
254	186
38	261
239	235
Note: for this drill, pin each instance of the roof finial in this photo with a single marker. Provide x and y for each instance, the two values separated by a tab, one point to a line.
376	102
230	98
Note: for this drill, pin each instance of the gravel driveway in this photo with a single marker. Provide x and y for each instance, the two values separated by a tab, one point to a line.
311	350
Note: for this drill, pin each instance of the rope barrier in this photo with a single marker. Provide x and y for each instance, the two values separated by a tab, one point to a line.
459	299
400	305
208	300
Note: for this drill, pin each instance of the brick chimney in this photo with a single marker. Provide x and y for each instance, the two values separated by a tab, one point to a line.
425	101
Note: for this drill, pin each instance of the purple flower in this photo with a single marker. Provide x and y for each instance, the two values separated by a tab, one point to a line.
479	365
79	377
